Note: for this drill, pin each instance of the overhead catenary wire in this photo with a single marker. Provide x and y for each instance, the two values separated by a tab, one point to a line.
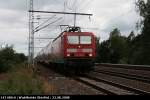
68	6
45	22
69	13
85	5
48	25
39	27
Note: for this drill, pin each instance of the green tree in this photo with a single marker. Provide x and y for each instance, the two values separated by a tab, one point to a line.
118	47
143	53
131	36
20	57
115	33
104	52
97	49
6	58
9	58
115	49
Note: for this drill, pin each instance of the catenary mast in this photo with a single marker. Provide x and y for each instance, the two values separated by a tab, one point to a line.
31	34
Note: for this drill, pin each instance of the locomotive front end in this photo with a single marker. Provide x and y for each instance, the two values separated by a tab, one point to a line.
80	50
81	45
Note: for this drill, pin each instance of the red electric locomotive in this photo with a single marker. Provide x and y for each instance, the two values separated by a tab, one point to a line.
73	48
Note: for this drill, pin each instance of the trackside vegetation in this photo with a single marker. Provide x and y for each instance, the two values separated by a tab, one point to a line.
16	78
8	58
21	80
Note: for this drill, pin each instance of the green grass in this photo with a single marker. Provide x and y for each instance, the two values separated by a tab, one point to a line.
21	81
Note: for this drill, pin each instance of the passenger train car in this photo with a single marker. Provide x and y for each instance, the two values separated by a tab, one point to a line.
73	49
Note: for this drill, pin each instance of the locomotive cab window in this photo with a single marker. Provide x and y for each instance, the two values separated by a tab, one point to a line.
85	40
73	39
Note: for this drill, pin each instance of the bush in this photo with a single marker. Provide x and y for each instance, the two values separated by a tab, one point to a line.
4	66
8	58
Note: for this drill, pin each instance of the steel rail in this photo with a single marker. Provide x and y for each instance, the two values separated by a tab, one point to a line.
125	66
136	91
95	87
128	76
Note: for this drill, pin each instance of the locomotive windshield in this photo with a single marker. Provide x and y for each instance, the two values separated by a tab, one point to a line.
85	39
73	39
79	40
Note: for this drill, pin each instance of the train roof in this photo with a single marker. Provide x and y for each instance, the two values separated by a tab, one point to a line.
73	31
77	33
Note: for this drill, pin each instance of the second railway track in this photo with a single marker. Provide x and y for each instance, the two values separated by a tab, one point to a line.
105	87
136	80
128	76
111	83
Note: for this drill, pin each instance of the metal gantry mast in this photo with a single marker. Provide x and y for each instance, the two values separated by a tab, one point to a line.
31	34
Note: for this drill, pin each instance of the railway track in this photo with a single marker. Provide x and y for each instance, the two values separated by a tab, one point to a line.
128	88
127	72
109	87
109	82
136	80
105	87
134	77
125	66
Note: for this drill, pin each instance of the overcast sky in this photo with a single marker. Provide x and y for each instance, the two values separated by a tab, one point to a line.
107	15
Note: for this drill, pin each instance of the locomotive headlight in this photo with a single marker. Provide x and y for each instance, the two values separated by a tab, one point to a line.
68	55
90	55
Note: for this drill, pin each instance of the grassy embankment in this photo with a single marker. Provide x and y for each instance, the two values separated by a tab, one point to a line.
16	78
20	80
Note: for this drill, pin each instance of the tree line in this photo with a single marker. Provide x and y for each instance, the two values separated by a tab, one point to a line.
9	58
131	49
